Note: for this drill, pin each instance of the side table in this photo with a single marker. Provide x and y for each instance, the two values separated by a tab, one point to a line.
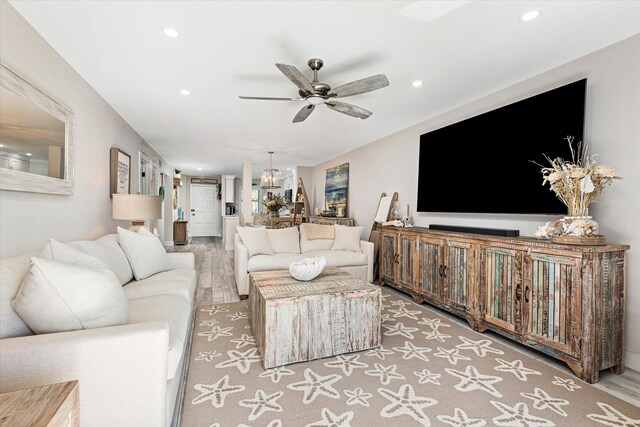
53	405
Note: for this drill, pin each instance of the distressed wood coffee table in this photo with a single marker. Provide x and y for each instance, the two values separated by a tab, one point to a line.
295	321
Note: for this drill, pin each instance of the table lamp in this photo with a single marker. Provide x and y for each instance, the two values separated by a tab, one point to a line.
136	208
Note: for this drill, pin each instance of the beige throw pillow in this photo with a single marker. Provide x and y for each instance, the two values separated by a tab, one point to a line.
319	231
256	240
317	243
58	297
347	239
284	240
144	251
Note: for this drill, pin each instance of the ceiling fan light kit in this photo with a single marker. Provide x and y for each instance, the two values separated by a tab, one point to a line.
317	93
270	177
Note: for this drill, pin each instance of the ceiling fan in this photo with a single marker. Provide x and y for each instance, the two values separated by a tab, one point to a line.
316	92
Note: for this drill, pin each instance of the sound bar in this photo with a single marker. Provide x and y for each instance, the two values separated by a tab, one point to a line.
505	232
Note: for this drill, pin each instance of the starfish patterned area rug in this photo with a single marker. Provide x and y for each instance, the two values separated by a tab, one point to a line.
428	371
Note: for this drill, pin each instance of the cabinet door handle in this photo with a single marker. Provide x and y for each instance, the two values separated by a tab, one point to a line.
526	294
440	270
444	271
518	293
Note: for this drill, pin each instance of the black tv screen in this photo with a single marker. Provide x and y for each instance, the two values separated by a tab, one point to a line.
484	164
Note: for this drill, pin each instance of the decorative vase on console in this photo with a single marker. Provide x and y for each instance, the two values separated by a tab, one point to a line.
408	219
577	183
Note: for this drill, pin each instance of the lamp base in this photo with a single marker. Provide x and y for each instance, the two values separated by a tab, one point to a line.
137	225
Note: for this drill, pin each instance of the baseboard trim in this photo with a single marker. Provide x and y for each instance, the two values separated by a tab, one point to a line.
632	359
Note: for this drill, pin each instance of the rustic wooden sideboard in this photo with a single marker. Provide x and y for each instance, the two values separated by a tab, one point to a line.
565	301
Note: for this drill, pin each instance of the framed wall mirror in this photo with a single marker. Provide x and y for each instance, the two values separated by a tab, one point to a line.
36	139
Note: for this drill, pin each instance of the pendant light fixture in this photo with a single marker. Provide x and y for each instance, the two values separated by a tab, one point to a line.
270	177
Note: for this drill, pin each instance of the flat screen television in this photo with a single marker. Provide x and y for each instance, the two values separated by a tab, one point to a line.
484	164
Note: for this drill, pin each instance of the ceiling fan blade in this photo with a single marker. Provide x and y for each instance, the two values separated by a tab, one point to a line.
348	109
303	114
296	77
265	98
361	86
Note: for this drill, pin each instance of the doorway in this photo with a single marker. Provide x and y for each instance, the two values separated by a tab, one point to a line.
205	211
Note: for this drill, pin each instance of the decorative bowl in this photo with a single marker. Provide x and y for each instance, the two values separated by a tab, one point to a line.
307	268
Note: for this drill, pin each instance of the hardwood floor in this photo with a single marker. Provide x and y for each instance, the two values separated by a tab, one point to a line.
214	270
216	284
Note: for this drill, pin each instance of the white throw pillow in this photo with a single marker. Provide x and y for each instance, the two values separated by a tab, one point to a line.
256	240
284	240
58	297
107	249
60	252
314	244
144	251
347	239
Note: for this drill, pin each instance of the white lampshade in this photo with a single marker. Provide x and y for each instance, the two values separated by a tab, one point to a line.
136	207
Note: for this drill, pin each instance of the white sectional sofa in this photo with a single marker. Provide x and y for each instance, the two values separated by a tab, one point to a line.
129	375
359	263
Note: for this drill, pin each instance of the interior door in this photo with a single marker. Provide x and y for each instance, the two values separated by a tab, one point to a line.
205	211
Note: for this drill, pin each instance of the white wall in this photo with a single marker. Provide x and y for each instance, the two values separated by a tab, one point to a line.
27	220
612	128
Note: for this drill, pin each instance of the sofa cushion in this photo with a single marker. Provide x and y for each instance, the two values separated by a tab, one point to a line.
256	240
284	240
347	238
12	272
340	258
272	262
108	250
144	251
174	310
57	297
307	245
173	282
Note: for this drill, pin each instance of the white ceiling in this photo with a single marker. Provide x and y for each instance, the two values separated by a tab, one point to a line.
461	50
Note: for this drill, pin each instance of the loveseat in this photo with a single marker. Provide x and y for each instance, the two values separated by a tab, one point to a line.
295	243
129	375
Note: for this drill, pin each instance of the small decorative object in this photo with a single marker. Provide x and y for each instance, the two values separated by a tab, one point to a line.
397	211
577	183
307	268
177	173
180	214
408	219
161	189
273	204
120	172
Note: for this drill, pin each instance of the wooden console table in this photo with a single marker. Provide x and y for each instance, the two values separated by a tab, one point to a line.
566	301
54	405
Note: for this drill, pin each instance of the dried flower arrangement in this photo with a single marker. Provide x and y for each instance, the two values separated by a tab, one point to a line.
577	183
273	203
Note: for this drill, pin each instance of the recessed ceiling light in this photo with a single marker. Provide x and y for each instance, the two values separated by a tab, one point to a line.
417	83
185	92
27	154
199	169
170	32
530	15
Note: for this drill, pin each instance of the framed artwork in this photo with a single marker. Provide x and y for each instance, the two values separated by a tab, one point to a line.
120	172
336	188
